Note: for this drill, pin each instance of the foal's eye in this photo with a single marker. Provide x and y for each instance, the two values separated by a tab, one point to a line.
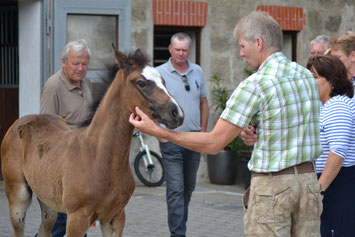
141	83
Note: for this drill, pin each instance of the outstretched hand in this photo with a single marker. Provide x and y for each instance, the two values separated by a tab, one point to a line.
143	123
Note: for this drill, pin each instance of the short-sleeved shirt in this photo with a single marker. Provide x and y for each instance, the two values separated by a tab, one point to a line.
353	80
281	100
337	130
62	98
188	100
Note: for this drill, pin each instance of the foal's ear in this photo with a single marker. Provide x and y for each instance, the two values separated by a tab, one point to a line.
120	58
139	53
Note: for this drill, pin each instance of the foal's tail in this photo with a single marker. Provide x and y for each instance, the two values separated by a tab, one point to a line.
13	152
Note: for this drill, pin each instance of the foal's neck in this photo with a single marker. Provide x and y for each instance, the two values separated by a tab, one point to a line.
110	128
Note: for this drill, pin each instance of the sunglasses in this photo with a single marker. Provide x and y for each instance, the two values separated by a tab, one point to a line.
184	79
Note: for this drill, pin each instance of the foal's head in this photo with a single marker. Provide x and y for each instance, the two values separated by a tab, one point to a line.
145	88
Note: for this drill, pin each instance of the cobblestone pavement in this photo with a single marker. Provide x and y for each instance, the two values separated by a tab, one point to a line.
215	210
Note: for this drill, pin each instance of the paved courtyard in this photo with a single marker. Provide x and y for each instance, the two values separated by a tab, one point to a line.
215	210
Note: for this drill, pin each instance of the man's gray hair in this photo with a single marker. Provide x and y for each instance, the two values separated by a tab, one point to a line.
181	37
260	24
79	46
321	39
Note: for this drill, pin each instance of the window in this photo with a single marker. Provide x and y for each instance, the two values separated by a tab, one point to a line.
9	71
99	31
290	44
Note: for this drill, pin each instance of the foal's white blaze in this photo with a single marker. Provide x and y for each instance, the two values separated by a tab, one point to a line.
152	74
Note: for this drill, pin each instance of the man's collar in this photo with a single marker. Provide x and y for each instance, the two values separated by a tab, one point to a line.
66	82
275	56
173	69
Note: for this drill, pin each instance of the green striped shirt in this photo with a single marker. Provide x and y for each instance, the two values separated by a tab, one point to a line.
281	100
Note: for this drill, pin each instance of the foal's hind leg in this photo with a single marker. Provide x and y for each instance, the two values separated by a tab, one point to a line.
19	196
48	220
115	227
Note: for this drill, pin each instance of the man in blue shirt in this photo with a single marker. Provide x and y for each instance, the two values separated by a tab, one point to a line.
186	83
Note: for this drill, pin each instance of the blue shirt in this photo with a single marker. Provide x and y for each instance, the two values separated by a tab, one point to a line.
353	78
189	100
337	130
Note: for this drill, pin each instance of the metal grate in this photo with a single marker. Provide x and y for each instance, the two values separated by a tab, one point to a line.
9	62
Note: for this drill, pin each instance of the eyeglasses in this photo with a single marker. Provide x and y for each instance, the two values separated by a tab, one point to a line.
184	79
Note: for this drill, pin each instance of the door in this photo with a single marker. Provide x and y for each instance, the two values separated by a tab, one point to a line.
100	23
9	102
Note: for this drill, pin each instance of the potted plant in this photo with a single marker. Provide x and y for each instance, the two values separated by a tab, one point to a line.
223	167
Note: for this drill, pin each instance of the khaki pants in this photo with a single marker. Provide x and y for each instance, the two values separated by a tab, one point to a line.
283	205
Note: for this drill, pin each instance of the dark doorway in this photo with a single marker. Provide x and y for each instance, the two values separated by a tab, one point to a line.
9	72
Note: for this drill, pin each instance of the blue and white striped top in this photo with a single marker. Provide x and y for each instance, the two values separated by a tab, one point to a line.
337	130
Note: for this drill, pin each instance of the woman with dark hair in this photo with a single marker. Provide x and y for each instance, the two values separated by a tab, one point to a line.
336	166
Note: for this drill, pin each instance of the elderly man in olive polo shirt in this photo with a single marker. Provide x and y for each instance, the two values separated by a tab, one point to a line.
68	94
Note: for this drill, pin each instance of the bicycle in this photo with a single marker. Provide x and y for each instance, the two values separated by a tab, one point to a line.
148	165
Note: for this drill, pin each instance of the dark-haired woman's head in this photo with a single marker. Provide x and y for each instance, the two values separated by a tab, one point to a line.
331	77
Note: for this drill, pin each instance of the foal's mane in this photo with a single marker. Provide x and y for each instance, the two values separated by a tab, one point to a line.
108	75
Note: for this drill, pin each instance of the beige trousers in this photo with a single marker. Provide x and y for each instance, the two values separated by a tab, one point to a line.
282	206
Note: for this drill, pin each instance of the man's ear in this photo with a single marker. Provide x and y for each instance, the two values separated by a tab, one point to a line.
352	55
259	43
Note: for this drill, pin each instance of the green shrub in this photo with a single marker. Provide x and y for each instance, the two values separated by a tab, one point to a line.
220	95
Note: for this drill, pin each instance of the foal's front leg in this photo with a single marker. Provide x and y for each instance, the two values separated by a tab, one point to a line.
77	224
48	220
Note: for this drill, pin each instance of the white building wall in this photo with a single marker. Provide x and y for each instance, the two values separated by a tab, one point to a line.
30	12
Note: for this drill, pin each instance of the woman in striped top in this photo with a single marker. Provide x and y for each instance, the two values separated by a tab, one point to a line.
336	166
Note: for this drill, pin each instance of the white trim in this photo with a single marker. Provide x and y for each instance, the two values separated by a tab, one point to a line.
30	52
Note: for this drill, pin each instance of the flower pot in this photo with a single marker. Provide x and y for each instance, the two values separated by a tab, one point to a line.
222	168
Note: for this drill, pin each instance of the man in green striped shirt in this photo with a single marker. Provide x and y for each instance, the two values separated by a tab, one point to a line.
281	100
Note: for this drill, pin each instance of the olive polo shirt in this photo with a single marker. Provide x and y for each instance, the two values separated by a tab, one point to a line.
62	98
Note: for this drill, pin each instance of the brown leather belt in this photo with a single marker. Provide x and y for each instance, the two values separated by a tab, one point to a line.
306	167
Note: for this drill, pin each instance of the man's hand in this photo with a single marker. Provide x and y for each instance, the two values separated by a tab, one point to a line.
249	135
144	124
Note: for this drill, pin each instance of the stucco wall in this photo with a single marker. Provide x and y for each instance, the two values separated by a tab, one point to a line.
142	26
220	51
